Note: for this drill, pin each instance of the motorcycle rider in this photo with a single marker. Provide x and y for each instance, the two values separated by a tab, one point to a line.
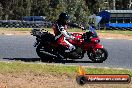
61	35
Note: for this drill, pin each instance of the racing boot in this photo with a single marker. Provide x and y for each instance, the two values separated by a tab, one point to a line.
71	49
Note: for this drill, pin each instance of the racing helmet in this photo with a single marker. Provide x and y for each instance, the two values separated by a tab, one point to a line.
64	17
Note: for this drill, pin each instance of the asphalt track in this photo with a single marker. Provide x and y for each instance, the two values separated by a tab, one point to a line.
14	47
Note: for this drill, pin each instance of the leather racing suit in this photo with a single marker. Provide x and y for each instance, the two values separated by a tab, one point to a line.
61	35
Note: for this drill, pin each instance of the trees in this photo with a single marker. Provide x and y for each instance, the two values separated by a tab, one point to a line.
93	5
16	9
1	12
6	4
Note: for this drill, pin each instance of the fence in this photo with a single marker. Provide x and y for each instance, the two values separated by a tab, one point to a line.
24	24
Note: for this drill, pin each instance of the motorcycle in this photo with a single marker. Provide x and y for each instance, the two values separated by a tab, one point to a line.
88	42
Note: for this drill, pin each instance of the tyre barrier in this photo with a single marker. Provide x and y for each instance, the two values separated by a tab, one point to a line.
25	24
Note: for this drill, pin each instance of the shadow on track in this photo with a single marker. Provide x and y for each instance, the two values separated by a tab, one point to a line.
38	59
24	59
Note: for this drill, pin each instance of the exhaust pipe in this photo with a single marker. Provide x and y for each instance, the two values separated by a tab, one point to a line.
47	53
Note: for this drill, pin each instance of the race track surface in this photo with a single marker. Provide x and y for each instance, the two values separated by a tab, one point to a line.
14	47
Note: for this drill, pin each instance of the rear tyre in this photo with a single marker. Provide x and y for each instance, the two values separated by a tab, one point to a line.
44	57
99	55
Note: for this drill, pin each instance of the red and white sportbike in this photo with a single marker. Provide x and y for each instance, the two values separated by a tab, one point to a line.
49	50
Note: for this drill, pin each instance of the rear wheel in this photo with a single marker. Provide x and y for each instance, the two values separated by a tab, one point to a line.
99	55
44	57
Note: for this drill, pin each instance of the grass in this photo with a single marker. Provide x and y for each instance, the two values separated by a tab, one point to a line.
19	67
73	30
16	29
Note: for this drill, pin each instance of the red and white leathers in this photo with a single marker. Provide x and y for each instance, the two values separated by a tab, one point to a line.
61	35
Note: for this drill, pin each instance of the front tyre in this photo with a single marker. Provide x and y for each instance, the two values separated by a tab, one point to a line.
98	55
44	57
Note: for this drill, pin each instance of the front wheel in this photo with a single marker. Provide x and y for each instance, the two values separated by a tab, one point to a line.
98	55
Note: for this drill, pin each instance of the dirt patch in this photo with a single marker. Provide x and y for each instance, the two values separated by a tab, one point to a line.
115	36
35	80
101	35
4	32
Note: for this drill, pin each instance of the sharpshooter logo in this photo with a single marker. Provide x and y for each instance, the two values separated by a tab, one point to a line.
84	78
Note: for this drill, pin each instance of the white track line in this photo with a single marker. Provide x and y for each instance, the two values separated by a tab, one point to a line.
9	34
109	38
117	38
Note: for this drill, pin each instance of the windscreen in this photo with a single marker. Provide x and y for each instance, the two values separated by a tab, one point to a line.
92	29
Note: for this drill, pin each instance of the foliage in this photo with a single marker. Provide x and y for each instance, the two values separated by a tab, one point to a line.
77	9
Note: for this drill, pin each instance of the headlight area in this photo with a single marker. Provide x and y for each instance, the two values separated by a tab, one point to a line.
95	40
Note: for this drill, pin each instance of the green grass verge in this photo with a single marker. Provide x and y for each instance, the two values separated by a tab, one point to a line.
73	30
19	67
16	29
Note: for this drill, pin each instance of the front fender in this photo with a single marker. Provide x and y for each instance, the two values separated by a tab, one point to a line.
98	46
